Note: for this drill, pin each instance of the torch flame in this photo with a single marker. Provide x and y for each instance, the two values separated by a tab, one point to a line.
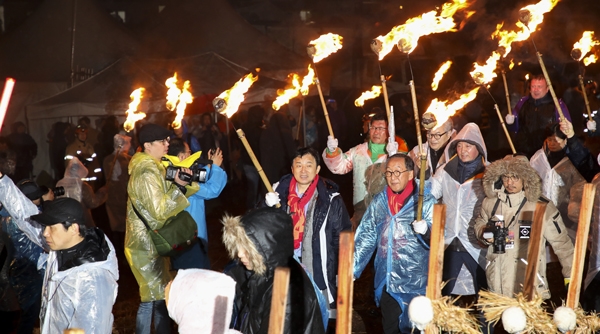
234	96
308	80
484	74
590	59
585	44
409	33
324	46
511	65
368	95
132	116
185	98
440	74
173	92
444	109
284	96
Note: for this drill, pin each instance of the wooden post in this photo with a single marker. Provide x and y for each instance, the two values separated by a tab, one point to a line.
257	165
533	252
436	258
345	283
585	216
279	300
549	83
512	147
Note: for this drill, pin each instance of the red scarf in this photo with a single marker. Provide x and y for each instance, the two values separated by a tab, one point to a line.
297	205
396	201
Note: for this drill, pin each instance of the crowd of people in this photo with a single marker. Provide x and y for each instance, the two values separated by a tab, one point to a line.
58	264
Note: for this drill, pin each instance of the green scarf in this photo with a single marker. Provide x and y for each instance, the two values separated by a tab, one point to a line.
376	150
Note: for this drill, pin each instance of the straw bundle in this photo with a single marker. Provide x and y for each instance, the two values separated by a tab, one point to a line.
586	323
453	319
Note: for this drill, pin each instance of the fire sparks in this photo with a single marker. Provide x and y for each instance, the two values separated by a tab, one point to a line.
132	115
408	34
368	95
590	59
584	45
308	80
324	46
444	109
511	65
284	96
440	74
229	101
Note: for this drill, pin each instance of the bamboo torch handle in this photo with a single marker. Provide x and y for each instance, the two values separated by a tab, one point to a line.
279	300
583	228
385	96
436	258
413	94
549	83
506	93
512	147
345	283
257	165
422	153
585	98
423	167
324	106
533	252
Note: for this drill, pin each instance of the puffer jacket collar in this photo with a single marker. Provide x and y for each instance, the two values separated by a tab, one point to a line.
93	248
519	166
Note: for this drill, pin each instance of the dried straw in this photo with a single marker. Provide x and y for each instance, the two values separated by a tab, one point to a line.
453	319
538	320
586	323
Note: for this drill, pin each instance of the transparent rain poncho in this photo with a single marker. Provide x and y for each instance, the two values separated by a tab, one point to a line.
73	179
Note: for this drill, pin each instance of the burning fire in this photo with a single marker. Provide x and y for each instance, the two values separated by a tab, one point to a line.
229	101
185	98
132	116
408	34
368	95
584	45
590	59
484	74
308	80
173	92
284	96
440	74
444	109
324	46
511	65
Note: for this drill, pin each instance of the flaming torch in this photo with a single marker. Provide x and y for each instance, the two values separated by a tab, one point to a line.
178	99
318	50
368	95
8	88
580	49
440	74
132	114
284	96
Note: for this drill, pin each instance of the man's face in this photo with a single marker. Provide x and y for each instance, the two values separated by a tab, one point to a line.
378	132
512	183
437	138
82	135
555	143
397	183
243	256
466	152
157	149
305	169
538	88
59	238
186	152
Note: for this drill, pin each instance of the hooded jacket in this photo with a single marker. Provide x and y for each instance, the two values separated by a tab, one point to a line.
267	237
156	199
506	272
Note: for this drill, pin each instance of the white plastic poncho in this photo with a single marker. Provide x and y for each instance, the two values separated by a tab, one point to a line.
72	179
201	301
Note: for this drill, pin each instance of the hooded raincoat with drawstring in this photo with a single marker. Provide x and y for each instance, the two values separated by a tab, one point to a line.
506	272
156	199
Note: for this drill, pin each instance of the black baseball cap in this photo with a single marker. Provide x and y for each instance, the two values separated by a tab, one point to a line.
151	132
59	211
30	189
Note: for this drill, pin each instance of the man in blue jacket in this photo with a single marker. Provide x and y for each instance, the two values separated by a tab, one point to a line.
389	228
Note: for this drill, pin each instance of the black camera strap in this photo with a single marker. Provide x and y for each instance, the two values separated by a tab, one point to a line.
516	213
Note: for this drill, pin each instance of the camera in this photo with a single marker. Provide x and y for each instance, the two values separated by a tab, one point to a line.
495	229
58	191
199	173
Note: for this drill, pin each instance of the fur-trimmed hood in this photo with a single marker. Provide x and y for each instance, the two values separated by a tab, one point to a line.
492	182
265	234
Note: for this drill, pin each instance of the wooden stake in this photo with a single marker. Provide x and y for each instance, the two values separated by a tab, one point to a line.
533	252
257	165
436	258
279	300
512	147
345	283
585	216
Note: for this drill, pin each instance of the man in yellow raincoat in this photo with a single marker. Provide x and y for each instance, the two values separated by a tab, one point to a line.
156	199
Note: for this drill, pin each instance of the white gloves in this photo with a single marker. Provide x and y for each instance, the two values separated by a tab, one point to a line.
391	147
510	119
332	144
591	125
420	226
272	199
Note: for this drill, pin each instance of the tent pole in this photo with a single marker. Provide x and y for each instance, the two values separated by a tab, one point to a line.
73	42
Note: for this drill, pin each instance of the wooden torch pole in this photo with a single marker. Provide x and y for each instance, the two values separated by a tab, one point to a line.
585	98
512	147
385	95
279	300
345	283
549	83
422	153
506	93
436	258
324	106
257	165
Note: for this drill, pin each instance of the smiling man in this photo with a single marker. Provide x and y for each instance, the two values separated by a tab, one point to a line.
437	139
318	214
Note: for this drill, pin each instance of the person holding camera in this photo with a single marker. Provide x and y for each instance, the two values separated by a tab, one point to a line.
512	190
156	200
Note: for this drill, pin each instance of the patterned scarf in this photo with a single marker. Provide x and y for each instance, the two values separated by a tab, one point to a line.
297	205
396	201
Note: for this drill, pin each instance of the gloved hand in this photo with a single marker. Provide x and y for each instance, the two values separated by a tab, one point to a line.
510	119
332	144
591	125
420	226
391	147
272	199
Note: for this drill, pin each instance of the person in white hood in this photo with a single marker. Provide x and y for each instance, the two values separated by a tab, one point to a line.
80	283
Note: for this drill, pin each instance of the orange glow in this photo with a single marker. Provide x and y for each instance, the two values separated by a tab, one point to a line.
173	92
511	65
444	109
284	96
368	95
585	44
308	80
440	74
132	115
590	59
484	74
408	34
324	46
234	96
185	98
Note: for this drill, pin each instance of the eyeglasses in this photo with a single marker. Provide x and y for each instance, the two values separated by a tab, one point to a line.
512	178
378	128
436	135
164	141
396	173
